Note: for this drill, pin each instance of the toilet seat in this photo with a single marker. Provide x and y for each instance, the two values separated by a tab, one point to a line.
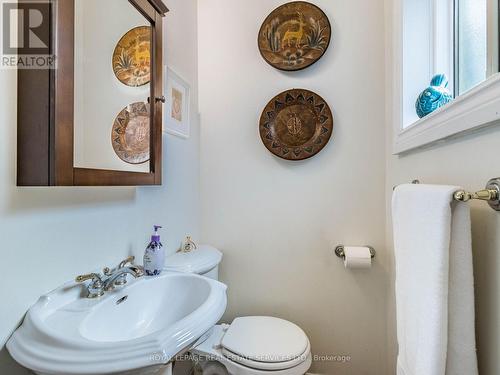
253	338
267	366
265	343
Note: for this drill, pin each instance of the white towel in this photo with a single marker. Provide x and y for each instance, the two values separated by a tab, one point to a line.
434	282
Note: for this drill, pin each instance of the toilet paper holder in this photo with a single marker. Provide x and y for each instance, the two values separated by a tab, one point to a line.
339	251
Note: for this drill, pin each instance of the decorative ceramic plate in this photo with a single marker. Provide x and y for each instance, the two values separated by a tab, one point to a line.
294	36
296	124
130	134
132	57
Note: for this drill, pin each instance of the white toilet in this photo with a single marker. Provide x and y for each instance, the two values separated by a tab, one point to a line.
253	345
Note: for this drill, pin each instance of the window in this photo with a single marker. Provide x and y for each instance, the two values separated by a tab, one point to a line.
471	44
427	48
453	37
458	38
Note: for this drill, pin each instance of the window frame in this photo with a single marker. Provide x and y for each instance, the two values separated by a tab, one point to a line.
477	108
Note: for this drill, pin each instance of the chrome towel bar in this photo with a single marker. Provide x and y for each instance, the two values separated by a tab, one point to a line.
490	194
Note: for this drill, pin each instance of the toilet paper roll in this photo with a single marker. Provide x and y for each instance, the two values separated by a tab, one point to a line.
357	257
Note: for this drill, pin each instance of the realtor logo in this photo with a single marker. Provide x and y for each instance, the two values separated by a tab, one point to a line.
26	35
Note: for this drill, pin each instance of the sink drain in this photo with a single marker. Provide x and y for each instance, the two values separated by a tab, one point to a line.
121	300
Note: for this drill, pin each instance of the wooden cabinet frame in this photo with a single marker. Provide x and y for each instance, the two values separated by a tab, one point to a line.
45	139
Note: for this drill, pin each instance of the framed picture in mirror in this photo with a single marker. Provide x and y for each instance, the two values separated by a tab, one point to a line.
177	95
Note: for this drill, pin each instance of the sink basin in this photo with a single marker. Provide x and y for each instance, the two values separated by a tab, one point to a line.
135	329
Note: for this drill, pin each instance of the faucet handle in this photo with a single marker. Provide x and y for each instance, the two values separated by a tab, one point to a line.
96	287
108	271
124	262
91	276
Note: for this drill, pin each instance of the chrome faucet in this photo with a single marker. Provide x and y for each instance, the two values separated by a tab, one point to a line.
116	277
121	273
123	279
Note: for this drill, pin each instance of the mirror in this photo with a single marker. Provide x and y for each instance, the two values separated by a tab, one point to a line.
112	75
455	38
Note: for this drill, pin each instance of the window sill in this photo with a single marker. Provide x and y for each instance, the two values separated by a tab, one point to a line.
475	109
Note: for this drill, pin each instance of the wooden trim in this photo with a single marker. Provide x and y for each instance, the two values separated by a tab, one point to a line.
150	8
102	177
145	8
157	106
62	142
33	124
160	7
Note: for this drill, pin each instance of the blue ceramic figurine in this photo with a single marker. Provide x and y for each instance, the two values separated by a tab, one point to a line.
435	96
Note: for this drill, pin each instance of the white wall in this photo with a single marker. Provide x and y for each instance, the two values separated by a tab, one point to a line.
50	235
277	222
469	162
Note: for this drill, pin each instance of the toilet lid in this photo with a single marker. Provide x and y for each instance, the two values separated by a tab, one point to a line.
265	342
197	261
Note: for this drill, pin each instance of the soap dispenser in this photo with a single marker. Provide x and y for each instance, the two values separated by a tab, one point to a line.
154	256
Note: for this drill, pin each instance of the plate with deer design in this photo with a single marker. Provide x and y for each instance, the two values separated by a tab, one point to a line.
296	124
132	57
294	36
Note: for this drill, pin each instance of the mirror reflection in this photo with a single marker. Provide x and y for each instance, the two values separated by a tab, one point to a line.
112	86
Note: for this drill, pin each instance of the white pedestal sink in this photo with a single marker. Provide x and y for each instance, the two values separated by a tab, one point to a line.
135	329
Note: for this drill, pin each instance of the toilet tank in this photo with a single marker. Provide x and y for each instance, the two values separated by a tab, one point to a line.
203	261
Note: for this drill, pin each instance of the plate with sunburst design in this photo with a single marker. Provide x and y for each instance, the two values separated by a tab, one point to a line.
131	132
296	124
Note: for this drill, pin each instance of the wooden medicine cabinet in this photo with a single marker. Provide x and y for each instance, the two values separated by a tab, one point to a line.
89	119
